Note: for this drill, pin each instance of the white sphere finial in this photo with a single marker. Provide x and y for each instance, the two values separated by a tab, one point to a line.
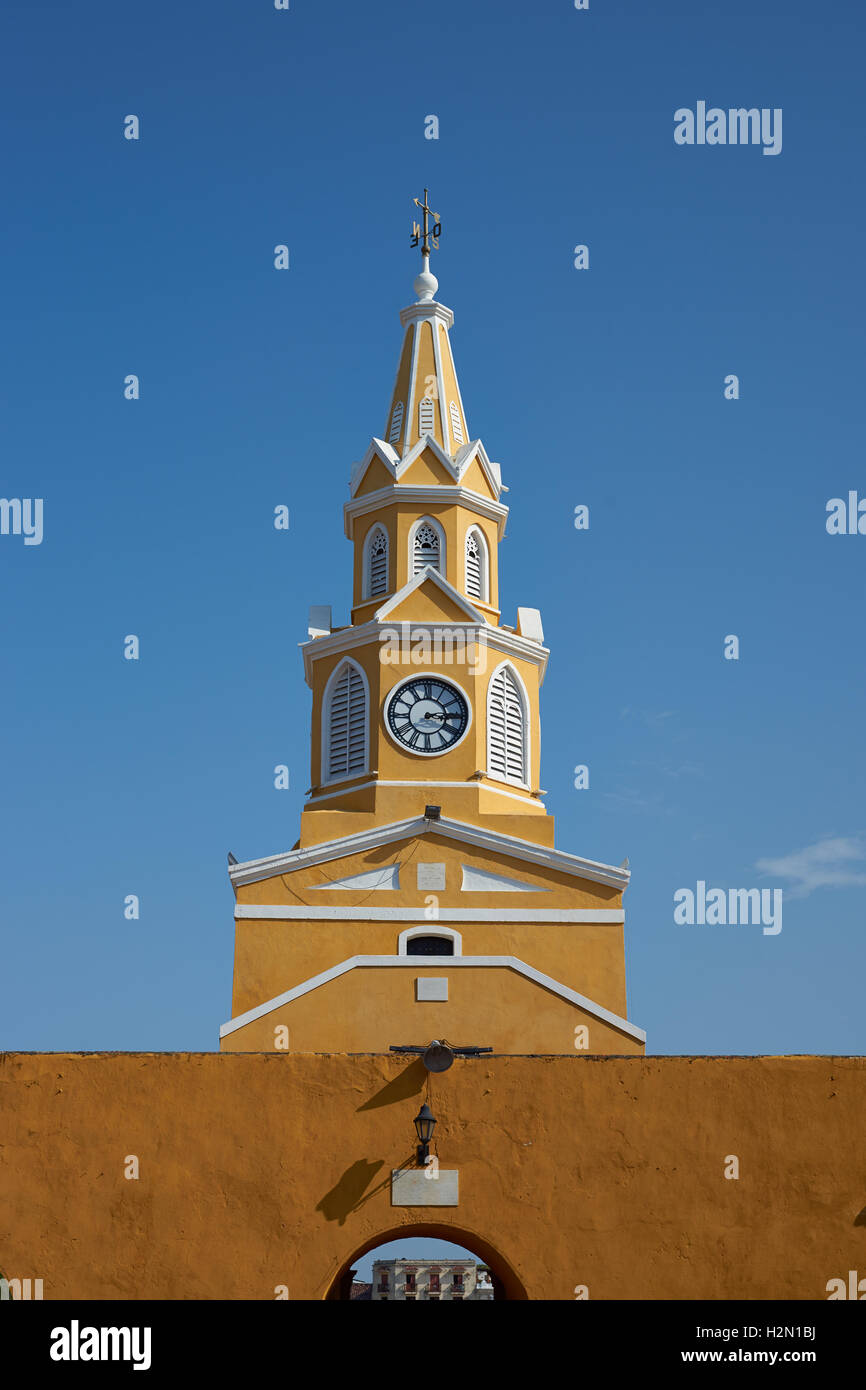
426	285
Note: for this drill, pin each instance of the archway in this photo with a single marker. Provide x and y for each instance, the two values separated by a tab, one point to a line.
506	1284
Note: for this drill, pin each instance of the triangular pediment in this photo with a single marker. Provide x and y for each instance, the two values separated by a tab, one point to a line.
429	598
521	852
425	469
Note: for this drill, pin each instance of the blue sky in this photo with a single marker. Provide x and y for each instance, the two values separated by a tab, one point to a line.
602	387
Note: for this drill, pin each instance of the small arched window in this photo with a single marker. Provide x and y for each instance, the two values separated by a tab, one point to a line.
345	718
507	754
456	423
425	416
396	423
427	547
476	565
447	942
430	946
376	563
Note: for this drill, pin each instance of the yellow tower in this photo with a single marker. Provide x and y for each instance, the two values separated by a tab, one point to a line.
425	897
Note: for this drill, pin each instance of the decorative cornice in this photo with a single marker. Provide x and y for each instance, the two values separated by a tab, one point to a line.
482	781
276	912
480	836
430	494
496	638
427	309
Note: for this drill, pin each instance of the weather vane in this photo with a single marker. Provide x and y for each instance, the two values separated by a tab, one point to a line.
425	234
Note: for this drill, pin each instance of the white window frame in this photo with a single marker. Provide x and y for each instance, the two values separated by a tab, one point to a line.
429	929
484	596
527	742
427	521
326	779
367	561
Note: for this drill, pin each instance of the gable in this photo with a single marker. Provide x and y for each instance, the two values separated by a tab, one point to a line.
475	479
426	469
376	476
428	603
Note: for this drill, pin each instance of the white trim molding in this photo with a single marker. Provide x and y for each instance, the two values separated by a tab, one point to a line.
278	912
520	967
397	465
417	495
426	782
482	837
498	639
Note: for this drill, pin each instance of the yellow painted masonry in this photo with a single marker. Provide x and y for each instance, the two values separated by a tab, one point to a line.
399	518
493	1008
356	1011
265	1170
471	666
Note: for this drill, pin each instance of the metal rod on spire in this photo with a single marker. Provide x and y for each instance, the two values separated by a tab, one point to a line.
427	235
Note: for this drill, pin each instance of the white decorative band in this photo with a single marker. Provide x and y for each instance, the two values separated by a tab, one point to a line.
338	913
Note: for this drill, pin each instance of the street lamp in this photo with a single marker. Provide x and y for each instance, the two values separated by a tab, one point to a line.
425	1123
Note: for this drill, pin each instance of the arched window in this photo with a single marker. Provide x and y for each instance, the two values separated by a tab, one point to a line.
456	423
425	416
477	583
431	946
345	721
428	547
424	941
507	752
396	423
376	563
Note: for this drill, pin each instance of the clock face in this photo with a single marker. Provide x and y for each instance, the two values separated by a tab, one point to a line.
427	714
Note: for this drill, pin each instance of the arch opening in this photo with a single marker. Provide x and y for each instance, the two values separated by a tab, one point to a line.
506	1284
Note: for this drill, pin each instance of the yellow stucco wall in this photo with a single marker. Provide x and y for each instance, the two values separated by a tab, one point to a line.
399	517
274	954
374	1007
472	669
266	1169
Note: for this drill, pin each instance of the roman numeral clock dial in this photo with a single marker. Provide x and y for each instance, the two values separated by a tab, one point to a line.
427	715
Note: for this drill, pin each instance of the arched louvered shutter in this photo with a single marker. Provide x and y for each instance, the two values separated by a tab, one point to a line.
347	724
456	423
396	423
377	564
426	549
425	416
506	728
476	567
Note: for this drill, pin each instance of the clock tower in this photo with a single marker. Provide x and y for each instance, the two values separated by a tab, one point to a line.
425	896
